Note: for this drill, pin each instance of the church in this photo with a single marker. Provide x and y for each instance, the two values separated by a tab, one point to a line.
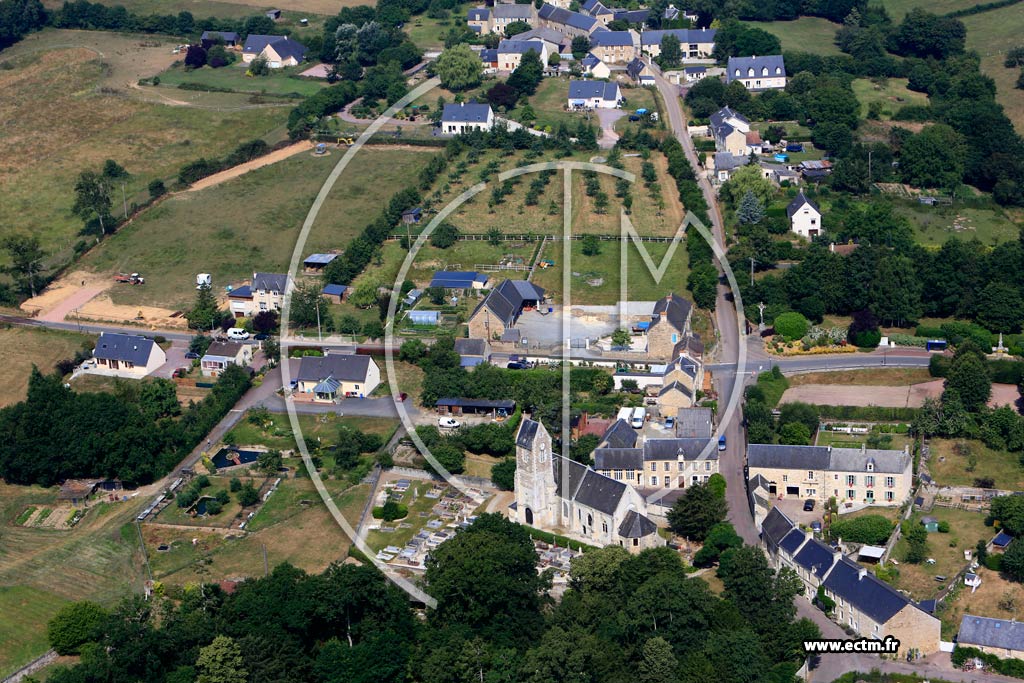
562	496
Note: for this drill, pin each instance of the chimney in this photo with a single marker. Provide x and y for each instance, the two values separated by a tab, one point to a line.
863	447
829	447
862	571
832	247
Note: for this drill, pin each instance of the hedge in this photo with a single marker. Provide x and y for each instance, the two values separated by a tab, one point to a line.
1007	667
979	8
867	413
555	539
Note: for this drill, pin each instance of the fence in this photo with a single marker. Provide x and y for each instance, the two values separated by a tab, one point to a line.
530	238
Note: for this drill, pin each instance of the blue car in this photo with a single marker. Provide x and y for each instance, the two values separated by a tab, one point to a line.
721	443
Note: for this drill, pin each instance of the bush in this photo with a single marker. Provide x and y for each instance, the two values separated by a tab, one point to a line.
944	527
503	474
870	529
390	511
248	495
994	562
75	625
157	189
213	507
791	325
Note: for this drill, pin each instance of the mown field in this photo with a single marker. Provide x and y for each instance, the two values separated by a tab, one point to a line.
41	569
898	8
250	223
89	78
992	34
23	347
892	93
933	225
233	77
806	34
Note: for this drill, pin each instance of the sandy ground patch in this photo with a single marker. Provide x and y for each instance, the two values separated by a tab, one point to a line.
64	295
265	160
886	397
102	309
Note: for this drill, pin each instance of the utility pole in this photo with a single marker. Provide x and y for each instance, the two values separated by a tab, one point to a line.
752	262
319	336
124	201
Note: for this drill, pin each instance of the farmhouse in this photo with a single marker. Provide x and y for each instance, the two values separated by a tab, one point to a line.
729	129
637	69
613	47
727	162
552	38
510	52
683	378
592	66
852	475
1000	637
489	58
659	463
757	73
569	23
593	95
804	217
465	117
504	14
501	308
696	43
265	293
692	74
279	51
479	20
670	324
459	280
125	355
560	495
327	378
594	8
221	354
863	603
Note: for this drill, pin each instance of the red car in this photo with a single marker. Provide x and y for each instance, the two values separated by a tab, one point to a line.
401	397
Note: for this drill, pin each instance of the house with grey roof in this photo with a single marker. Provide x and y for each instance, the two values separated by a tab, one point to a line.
656	463
211	38
594	95
757	73
472	352
633	16
864	604
592	66
125	355
1000	637
570	23
637	68
503	14
511	52
695	43
670	324
729	129
479	19
325	379
501	308
279	51
804	217
555	493
220	354
726	163
463	117
619	435
555	40
265	292
614	47
695	423
692	74
855	477
594	8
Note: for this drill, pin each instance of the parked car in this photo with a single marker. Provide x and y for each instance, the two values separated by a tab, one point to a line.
401	397
809	505
670	422
237	334
516	365
816	527
262	336
191	355
448	423
721	443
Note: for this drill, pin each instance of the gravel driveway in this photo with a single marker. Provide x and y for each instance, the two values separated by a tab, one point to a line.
607	118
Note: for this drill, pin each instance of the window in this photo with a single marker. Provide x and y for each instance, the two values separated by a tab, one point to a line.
357	387
851	480
654	467
590	519
850	493
263	305
750	73
667	466
707	465
764	71
810	474
871	467
785	477
618	475
604	527
811	492
890	496
682	466
654	481
890	482
871	495
629	475
869	480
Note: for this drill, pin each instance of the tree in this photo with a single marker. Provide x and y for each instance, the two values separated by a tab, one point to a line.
870	529
1013	562
747	179
916	537
896	290
195	57
935	157
265	321
157	189
1000	307
696	511
75	625
863	331
309	306
554	59
750	210
204	314
590	245
671	52
791	325
503	474
717	484
621	337
269	462
459	68
703	284
259	66
658	664
969	378
514	28
444	235
248	495
92	199
794	434
26	261
527	75
720	538
502	95
580	47
221	662
923	34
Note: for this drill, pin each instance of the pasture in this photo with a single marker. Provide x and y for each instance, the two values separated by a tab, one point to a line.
806	34
892	93
992	34
23	347
233	77
898	8
249	223
933	225
89	77
230	8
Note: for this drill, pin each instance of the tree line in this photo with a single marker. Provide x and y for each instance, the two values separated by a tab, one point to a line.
136	434
623	618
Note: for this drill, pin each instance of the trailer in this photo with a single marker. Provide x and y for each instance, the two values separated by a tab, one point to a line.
132	279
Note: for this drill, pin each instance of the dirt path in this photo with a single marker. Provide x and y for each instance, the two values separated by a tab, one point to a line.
500	502
265	160
66	302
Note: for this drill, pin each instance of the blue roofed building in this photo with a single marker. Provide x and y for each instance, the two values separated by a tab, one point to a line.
335	293
336	375
592	66
315	263
594	95
510	53
570	23
279	51
614	47
464	117
479	20
695	43
757	73
459	279
501	308
210	38
125	355
1000	637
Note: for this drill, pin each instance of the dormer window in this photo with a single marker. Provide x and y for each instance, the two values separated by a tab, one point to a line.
750	72
871	467
764	71
778	71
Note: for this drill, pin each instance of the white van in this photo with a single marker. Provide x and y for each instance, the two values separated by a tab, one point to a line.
237	334
639	415
625	414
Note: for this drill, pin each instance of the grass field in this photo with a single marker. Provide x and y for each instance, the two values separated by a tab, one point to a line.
89	77
806	34
934	225
278	82
885	377
950	469
172	514
991	34
23	347
893	94
829	438
230	8
315	427
249	224
898	8
549	105
44	568
965	530
417	503
429	33
983	602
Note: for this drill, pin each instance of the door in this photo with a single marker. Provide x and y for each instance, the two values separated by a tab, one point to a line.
529	517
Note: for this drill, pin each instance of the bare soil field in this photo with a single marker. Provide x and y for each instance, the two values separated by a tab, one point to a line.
912	396
872	377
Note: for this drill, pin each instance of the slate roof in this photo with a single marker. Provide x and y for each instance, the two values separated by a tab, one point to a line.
511	11
673	308
739	67
727	161
611	39
243	292
694	423
618	458
478	14
599	492
289	48
559	15
620	435
685	36
270	282
129	348
254	42
775	526
692	70
720	125
226	36
489	56
673	449
635	525
470	347
544	33
527	432
594	7
685	365
857	460
507	299
590	61
466	112
792	541
787	457
798	203
587	90
520	47
223	349
344	367
319	259
457	279
816	557
675	386
334	290
989	632
636	16
635	68
869	595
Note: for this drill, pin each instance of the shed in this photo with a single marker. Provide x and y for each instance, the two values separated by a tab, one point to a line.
475	406
335	293
870	553
413	215
412	297
431	318
315	263
76	491
1001	541
274	14
930	523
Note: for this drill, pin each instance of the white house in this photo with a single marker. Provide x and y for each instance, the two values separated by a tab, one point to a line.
503	14
221	354
692	74
510	53
328	378
465	117
757	73
804	217
695	43
279	51
592	66
125	355
593	95
265	293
